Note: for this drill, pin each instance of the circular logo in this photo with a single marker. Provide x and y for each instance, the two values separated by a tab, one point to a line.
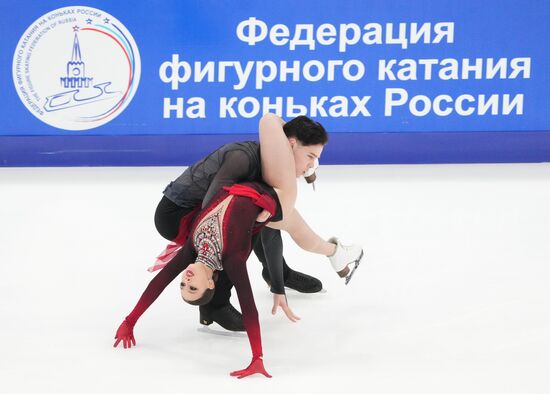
76	68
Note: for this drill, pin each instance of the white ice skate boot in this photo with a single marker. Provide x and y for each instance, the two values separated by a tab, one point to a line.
345	256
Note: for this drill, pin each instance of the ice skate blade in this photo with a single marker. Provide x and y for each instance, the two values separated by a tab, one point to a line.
224	333
356	264
291	290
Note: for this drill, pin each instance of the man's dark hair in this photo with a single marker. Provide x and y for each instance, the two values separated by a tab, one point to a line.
305	130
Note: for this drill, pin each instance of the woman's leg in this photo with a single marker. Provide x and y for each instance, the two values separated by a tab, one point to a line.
305	237
340	256
278	167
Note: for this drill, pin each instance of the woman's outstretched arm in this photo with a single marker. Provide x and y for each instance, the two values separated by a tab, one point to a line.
125	332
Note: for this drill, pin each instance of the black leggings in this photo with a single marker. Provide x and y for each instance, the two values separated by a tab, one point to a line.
167	218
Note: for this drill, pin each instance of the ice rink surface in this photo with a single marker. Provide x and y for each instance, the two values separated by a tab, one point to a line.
453	295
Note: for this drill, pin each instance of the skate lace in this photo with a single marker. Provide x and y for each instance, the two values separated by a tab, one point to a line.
234	311
297	276
301	278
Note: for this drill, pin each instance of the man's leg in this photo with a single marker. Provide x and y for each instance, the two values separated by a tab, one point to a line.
168	216
292	279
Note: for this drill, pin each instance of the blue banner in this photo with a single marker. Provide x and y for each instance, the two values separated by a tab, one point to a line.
109	82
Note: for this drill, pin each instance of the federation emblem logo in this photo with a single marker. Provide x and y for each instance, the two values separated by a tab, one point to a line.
76	68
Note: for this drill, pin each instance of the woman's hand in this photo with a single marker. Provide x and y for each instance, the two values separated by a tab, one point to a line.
125	333
279	300
256	366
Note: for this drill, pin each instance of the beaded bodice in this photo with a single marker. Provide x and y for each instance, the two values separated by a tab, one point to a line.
208	237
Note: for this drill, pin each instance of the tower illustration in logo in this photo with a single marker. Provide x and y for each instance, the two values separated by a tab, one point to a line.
76	76
96	83
83	93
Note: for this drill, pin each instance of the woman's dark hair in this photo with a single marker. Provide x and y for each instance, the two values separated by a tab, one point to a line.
205	299
305	130
207	295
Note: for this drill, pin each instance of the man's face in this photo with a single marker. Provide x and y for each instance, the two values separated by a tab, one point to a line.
304	155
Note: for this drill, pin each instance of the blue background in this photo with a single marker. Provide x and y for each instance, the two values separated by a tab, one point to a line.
205	31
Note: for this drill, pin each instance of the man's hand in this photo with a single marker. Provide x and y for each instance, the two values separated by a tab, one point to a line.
279	300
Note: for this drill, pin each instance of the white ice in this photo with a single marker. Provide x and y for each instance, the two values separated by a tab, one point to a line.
453	295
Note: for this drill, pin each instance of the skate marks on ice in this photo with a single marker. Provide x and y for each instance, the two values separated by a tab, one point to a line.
221	332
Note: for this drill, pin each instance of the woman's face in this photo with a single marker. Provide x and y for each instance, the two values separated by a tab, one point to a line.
194	282
304	155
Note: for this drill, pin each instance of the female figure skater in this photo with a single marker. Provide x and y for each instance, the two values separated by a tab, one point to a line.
220	239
